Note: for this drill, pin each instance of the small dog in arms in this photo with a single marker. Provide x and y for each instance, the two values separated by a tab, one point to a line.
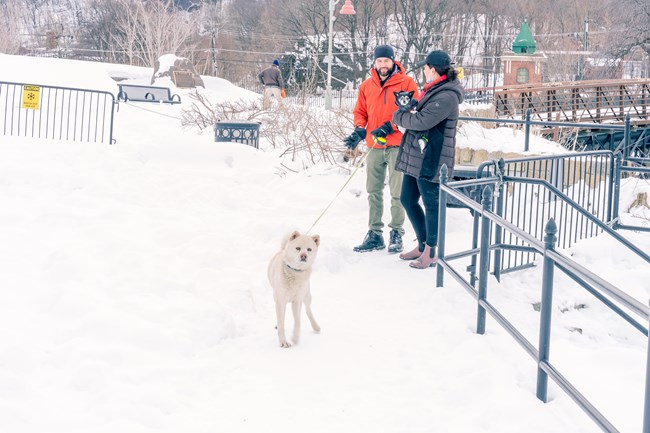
289	273
405	101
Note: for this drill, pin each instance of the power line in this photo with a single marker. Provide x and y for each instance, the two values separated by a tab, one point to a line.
345	38
81	51
425	35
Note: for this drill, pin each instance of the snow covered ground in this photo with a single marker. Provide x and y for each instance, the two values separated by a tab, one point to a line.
135	300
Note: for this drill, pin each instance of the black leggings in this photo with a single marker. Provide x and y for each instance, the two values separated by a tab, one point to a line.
424	221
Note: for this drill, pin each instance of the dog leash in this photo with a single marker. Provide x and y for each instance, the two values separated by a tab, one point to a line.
341	190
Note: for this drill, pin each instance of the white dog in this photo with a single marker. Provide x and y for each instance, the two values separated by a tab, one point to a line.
289	273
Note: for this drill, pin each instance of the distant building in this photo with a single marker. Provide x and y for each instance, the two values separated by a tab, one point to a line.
635	69
608	68
524	65
602	68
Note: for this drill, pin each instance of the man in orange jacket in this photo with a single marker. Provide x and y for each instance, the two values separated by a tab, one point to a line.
373	113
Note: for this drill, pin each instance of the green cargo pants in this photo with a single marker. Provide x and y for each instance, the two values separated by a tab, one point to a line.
377	162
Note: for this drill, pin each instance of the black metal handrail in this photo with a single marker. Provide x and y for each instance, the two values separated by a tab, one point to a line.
604	227
642	167
527	122
529	206
552	259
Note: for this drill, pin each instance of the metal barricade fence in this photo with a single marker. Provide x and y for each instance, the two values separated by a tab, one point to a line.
341	99
56	113
632	167
587	179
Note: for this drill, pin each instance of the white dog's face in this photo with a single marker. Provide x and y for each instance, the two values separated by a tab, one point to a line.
300	250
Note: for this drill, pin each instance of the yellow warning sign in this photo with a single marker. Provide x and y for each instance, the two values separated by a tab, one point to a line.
31	97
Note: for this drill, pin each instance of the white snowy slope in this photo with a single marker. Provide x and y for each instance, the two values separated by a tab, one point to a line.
135	300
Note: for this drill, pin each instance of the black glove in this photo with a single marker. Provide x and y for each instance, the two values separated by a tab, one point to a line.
409	106
353	139
381	132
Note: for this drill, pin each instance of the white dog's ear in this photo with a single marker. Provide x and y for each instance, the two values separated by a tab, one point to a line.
316	239
289	238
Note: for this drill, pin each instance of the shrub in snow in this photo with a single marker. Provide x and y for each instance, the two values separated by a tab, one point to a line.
304	136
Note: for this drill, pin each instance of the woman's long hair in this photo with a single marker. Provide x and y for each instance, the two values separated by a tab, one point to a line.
450	72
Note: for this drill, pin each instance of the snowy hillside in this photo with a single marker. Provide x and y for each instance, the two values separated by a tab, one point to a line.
135	300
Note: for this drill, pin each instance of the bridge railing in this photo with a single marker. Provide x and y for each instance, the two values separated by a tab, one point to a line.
57	113
593	101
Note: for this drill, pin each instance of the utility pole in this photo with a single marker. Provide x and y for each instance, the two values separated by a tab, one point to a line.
347	9
586	41
216	19
585	47
213	48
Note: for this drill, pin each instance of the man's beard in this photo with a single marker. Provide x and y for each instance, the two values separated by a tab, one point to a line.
383	72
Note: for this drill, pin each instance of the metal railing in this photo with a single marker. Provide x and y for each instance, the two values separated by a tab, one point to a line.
614	298
639	166
341	99
477	96
56	113
586	179
595	101
624	145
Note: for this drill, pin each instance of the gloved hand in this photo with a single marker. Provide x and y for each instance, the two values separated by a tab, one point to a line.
409	106
283	93
353	139
384	130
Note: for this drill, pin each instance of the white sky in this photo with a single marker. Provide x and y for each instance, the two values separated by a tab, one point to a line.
135	300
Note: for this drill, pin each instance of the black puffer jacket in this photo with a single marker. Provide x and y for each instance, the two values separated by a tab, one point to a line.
434	124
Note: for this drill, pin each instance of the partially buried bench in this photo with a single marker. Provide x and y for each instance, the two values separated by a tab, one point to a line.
132	92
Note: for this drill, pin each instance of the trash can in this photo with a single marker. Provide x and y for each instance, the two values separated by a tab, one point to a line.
462	172
239	131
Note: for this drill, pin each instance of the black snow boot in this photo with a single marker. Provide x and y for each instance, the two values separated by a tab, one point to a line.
395	242
372	242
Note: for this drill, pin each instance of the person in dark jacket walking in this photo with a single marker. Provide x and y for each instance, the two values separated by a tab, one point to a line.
428	143
271	78
372	120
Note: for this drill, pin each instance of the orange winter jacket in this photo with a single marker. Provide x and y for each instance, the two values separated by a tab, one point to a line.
376	103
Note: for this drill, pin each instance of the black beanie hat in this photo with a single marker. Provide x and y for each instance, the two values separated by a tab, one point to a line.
384	51
436	59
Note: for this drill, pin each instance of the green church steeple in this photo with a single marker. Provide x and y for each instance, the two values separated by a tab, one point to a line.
524	42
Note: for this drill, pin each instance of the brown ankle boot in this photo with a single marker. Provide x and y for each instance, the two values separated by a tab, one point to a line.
427	259
411	255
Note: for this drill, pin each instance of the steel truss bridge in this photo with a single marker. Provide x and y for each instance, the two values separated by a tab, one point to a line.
599	102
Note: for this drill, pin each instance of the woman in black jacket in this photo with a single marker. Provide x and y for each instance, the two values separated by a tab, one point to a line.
428	143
